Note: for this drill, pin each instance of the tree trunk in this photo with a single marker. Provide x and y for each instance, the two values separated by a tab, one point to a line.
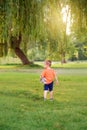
63	60
1	49
15	45
21	55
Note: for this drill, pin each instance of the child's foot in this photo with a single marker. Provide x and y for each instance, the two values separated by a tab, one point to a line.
44	99
51	99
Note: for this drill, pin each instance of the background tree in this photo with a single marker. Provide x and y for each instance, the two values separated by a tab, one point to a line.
21	16
50	27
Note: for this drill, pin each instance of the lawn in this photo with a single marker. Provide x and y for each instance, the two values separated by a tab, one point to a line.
68	65
74	65
22	106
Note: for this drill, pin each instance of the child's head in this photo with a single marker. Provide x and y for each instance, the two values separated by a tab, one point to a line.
47	63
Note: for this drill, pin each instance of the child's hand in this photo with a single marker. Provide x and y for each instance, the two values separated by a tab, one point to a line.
57	82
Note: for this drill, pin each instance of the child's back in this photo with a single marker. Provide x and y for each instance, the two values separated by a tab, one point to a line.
49	74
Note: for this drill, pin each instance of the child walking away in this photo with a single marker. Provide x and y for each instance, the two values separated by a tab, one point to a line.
47	77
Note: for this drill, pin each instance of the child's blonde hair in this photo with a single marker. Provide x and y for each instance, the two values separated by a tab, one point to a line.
48	62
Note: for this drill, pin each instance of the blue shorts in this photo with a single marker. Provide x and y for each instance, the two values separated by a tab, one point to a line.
48	86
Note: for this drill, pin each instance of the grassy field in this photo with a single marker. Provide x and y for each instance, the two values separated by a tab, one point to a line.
74	65
22	106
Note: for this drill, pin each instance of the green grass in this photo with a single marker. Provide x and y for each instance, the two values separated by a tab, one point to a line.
68	65
20	66
71	65
75	64
22	106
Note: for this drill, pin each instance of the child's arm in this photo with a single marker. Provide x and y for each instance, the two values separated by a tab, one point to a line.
56	78
42	75
42	78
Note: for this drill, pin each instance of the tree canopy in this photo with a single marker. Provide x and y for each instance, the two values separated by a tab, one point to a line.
48	28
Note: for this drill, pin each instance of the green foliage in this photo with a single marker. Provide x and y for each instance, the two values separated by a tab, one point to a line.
41	22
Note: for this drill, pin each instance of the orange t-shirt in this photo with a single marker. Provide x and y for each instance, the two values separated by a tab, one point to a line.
49	74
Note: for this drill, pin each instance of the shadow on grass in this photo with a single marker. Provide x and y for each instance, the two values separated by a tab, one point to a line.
20	66
22	94
4	127
29	96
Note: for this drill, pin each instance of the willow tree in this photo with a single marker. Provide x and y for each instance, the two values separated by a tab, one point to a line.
79	17
79	25
20	24
57	28
26	23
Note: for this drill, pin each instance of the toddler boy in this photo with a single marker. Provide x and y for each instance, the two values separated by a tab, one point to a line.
47	77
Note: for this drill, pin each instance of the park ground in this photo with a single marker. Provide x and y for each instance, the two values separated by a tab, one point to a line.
21	99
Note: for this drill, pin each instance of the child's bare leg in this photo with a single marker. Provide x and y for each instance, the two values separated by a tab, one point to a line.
45	94
51	94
